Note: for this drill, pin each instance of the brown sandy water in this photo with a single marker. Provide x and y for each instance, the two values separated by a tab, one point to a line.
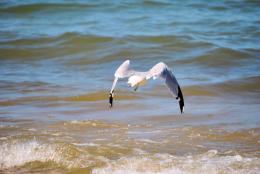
57	61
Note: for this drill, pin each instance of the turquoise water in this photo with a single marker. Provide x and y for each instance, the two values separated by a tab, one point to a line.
57	60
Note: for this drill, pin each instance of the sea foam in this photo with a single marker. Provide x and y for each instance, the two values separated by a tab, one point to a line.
20	153
209	162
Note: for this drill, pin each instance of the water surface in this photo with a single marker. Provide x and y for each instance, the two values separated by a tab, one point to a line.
57	60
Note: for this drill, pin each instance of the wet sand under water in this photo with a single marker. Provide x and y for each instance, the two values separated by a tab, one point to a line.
57	61
71	141
46	128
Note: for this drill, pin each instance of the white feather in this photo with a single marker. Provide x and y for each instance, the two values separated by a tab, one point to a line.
137	78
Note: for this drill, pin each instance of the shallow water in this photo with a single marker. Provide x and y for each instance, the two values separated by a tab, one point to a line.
57	61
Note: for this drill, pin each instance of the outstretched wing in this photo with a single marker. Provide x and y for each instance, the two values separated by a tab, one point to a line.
122	71
174	87
161	70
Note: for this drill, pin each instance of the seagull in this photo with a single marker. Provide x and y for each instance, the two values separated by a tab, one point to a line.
137	79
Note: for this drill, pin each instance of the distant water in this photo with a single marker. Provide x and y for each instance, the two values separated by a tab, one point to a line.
57	60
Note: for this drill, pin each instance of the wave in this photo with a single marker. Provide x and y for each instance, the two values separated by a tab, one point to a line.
28	152
29	7
14	154
51	47
36	91
90	97
83	49
73	42
219	57
248	85
247	137
208	162
10	85
90	124
37	154
76	37
79	49
156	3
36	7
241	86
237	87
67	44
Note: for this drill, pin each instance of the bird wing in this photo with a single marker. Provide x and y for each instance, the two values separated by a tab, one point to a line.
122	71
161	70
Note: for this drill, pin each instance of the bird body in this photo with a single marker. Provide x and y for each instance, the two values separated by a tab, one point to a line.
137	78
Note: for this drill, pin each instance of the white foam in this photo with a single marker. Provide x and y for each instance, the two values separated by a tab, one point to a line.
20	153
3	138
32	129
207	163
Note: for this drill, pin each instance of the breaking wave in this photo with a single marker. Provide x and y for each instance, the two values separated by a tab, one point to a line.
209	162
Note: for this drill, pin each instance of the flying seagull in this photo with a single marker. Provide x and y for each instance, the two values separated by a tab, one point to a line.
136	79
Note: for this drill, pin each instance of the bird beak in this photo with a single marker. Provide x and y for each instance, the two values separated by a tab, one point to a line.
110	100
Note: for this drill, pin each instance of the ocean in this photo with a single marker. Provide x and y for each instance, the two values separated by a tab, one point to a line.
57	64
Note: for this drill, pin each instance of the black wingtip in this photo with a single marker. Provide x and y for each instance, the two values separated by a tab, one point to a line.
110	100
181	100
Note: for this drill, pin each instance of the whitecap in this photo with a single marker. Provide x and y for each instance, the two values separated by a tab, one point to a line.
19	153
209	162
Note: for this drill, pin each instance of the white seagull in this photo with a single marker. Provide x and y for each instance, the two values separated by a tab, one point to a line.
136	79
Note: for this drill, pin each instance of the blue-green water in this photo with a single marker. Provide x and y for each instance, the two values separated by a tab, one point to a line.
57	60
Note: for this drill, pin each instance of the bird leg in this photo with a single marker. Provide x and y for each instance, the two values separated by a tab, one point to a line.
136	87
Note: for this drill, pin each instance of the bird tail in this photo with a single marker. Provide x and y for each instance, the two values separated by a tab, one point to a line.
181	100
